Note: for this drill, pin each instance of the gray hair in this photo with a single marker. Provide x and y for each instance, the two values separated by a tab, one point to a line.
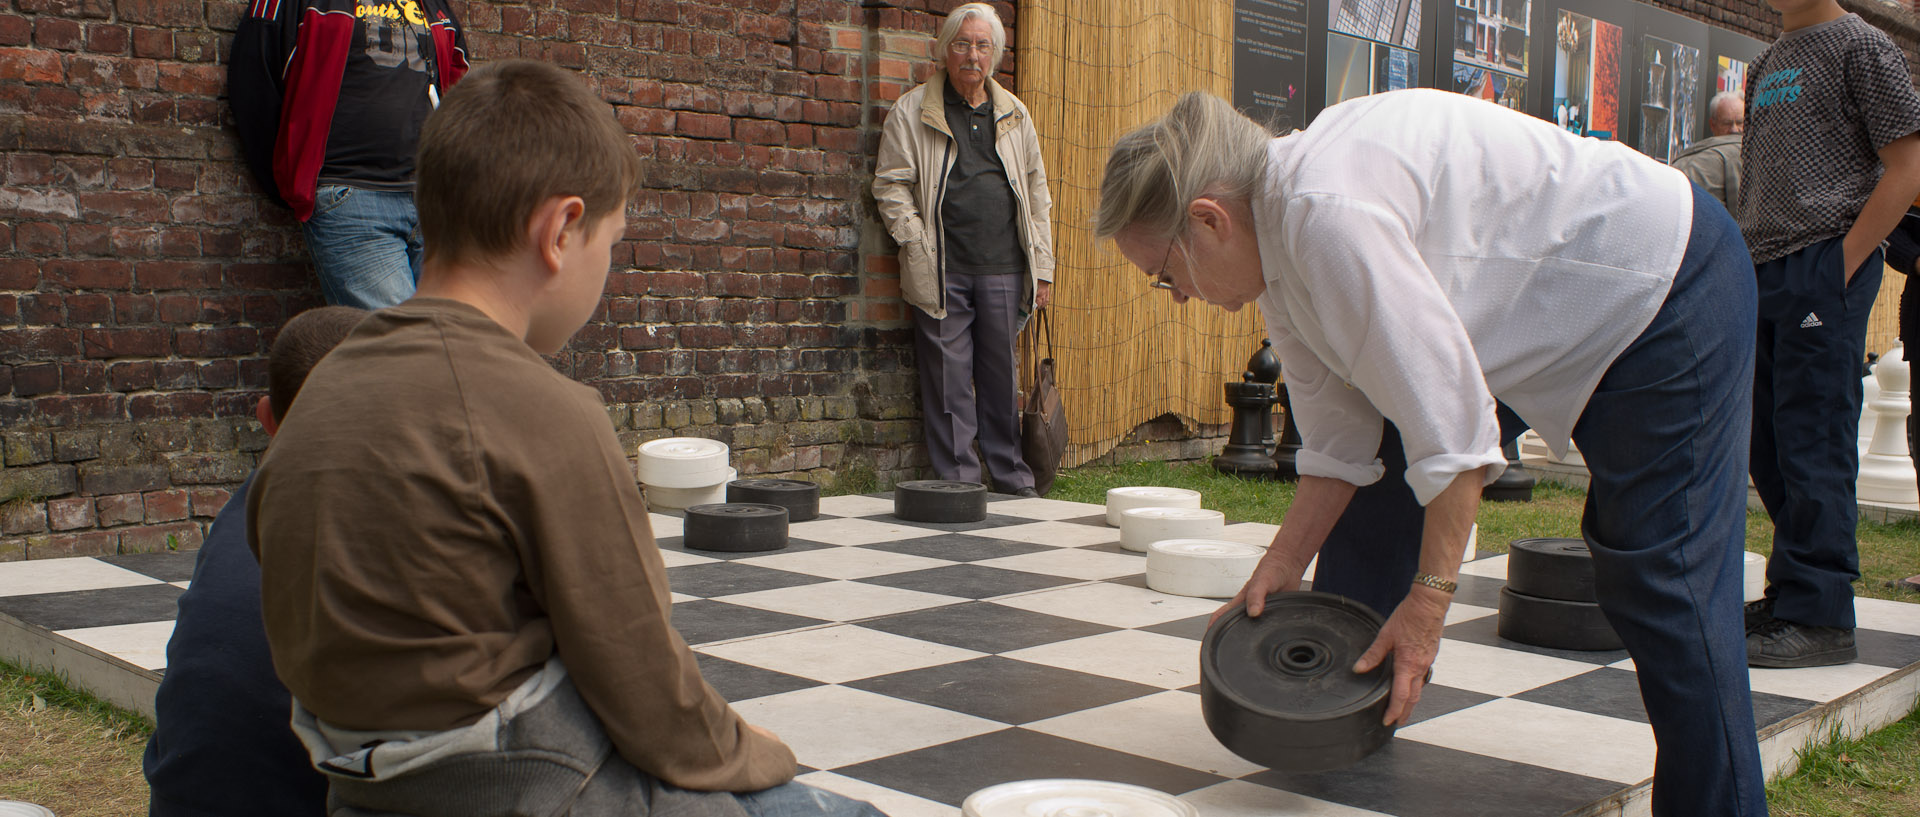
1203	147
958	17
1713	105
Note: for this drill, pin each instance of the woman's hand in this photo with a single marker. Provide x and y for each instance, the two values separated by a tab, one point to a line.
1273	574
1412	635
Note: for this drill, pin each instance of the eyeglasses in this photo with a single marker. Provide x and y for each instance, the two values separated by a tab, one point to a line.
1160	278
983	48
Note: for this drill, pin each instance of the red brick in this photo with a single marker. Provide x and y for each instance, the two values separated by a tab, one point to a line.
207	502
704	126
70	514
30	65
57	34
138	342
165	506
171	13
119	509
158	538
40	238
61	545
15	30
153	43
107	39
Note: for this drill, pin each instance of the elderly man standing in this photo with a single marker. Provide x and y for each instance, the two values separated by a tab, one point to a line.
1714	162
962	188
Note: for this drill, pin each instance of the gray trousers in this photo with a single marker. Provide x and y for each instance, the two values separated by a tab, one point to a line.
967	381
545	755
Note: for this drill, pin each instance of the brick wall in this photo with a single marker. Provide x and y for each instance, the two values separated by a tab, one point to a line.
142	276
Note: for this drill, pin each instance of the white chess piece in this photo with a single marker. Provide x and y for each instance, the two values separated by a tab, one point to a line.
1886	472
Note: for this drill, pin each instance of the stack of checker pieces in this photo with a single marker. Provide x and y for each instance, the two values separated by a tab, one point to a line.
1549	600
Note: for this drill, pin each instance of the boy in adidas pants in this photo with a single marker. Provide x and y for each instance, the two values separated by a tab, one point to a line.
1832	160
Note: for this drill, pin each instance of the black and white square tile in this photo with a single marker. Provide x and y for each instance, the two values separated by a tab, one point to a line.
913	664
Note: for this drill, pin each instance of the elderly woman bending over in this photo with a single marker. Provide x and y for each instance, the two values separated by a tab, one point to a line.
1420	255
961	186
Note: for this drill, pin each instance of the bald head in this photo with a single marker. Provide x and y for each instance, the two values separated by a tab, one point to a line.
1727	113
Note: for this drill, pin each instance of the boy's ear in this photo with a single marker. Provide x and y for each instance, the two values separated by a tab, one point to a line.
550	225
263	411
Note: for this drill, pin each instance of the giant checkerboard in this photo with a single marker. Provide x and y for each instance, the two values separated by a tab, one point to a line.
913	663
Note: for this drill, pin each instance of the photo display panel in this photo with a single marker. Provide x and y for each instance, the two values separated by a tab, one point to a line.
1490	44
1586	74
1671	82
1372	46
1270	44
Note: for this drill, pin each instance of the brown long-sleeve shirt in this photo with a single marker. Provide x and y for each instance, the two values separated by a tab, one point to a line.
441	512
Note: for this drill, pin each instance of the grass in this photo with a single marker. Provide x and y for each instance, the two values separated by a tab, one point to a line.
1887	552
66	750
1877	775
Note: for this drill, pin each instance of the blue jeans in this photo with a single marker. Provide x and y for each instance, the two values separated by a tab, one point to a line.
1806	425
365	244
802	800
1665	440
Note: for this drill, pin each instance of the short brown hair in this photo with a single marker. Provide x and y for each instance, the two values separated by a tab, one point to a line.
511	135
300	346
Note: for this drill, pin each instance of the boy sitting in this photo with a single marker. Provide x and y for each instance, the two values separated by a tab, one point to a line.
220	742
461	586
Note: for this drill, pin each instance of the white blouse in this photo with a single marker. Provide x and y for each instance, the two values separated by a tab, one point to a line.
1426	253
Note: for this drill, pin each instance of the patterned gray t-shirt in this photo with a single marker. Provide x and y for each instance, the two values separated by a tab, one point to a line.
1821	102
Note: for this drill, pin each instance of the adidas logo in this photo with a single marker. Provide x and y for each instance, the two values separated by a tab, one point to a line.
1811	321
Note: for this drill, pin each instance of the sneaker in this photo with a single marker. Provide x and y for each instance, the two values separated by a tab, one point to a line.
1782	644
1758	613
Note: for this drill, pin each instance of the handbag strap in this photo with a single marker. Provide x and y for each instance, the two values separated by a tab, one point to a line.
1046	325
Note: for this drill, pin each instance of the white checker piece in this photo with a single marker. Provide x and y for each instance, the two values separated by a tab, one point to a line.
839	654
1542	735
839	600
834	726
1129	655
65	576
1115	605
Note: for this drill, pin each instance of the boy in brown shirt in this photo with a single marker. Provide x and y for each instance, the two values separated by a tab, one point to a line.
461	587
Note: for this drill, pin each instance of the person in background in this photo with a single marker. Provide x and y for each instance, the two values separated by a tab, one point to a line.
962	188
329	97
221	746
1714	162
1832	161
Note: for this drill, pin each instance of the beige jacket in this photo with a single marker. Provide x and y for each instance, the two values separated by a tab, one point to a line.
917	152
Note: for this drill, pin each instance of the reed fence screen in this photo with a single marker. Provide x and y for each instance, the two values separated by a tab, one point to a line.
1125	353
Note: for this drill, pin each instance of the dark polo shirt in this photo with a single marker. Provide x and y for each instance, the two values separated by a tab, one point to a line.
978	212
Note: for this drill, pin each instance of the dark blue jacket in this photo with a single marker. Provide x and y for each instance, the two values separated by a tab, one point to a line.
221	745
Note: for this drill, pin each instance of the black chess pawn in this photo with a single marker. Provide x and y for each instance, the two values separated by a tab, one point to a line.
1515	484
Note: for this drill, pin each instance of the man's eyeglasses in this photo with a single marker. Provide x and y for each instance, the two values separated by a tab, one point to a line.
983	48
1160	278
